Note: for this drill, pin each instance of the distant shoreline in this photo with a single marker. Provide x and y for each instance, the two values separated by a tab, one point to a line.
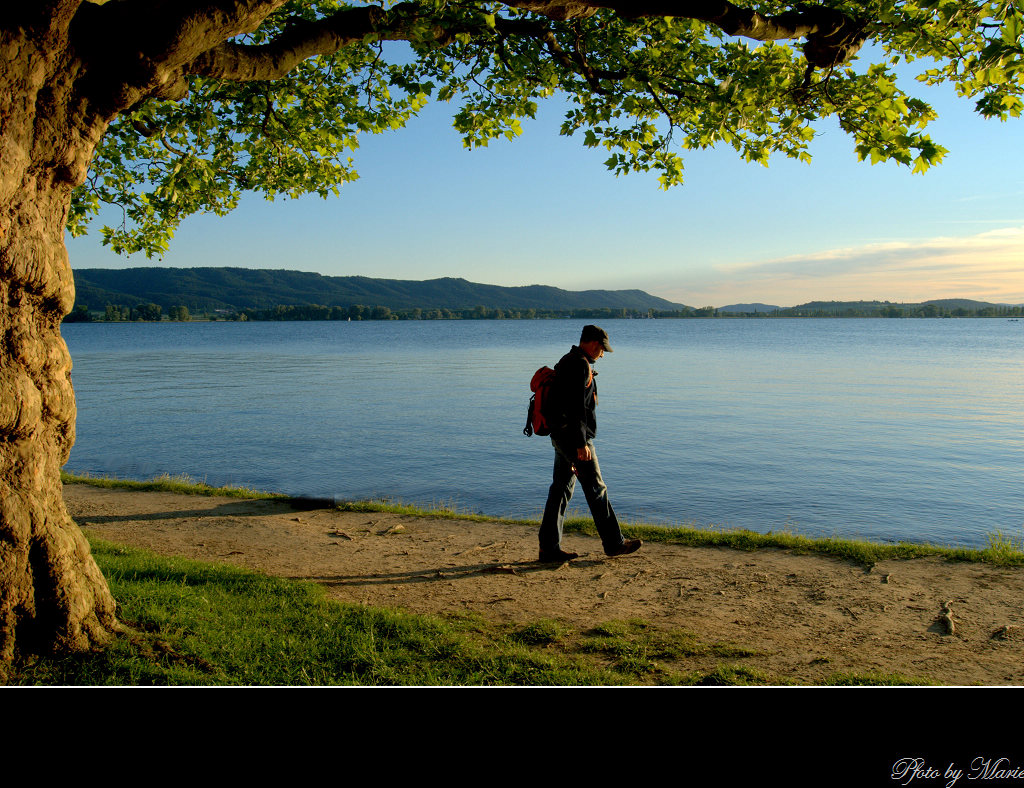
227	293
1004	313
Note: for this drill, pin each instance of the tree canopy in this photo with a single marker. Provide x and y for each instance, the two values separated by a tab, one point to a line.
276	101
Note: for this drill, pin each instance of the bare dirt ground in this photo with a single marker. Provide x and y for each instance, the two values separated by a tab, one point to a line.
806	616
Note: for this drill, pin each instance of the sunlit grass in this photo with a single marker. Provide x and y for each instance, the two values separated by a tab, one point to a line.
181	484
195	623
198	623
1003	549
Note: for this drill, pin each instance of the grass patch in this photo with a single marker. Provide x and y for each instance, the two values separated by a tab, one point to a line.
638	649
199	624
181	484
195	623
1003	549
732	676
539	633
876	680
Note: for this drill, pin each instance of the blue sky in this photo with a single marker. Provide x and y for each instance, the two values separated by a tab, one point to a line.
543	210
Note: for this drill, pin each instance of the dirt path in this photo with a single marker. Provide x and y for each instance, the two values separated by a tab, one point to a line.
807	616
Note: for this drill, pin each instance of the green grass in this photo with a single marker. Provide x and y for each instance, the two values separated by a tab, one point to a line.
194	623
876	680
637	649
183	485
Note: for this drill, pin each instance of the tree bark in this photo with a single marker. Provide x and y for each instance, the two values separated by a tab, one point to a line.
52	594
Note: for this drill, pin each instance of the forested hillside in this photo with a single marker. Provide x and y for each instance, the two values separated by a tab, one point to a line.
238	289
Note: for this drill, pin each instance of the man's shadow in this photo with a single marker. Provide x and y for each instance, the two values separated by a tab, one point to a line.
246	508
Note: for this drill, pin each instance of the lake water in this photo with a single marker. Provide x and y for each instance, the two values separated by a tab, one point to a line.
883	429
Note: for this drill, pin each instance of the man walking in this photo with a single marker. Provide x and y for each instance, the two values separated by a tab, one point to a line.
573	429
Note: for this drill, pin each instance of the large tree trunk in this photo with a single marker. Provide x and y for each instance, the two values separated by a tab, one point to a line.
52	594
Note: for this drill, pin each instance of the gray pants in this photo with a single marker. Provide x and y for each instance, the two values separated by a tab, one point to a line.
562	486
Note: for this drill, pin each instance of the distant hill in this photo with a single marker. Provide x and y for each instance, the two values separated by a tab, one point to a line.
207	290
936	307
865	308
748	308
210	289
961	303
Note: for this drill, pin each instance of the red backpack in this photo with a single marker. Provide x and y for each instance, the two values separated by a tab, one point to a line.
542	387
538	414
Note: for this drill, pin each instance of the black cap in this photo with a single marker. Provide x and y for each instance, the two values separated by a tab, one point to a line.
595	334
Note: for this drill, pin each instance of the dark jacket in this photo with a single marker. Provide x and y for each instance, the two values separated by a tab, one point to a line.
576	394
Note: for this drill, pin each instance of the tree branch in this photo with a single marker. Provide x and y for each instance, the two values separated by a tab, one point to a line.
832	37
164	41
135	49
40	16
300	42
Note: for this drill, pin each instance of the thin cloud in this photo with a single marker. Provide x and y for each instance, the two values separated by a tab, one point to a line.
1004	243
987	266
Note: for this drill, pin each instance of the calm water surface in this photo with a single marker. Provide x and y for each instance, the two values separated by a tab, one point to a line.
885	429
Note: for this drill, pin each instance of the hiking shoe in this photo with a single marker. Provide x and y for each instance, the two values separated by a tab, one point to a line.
556	556
628	546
